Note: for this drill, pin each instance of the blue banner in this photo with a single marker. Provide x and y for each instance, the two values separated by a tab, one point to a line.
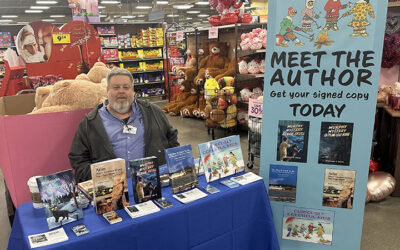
320	88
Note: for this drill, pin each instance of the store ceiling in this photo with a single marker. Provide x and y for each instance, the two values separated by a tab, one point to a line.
111	12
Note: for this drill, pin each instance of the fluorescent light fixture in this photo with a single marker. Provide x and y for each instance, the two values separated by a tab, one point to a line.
162	2
110	2
193	11
9	16
203	3
247	7
172	15
127	17
143	7
46	2
117	15
101	7
48	20
203	15
54	16
40	7
205	21
196	22
33	11
22	22
183	7
189	18
102	15
5	20
141	16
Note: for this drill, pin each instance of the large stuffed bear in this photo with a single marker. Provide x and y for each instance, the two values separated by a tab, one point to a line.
203	52
188	101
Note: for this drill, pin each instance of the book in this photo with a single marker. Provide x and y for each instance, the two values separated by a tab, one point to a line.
221	158
145	179
80	230
112	217
308	225
181	168
59	197
282	183
211	189
199	166
163	203
246	178
190	195
335	143
164	175
141	209
48	238
292	141
110	185
339	188
230	183
87	188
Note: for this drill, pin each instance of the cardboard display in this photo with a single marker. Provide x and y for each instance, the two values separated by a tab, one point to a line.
17	104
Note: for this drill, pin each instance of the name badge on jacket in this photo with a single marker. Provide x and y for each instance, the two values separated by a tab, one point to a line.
129	129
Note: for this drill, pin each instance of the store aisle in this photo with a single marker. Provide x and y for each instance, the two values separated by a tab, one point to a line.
381	220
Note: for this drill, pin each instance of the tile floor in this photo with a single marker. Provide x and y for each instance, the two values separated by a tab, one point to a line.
381	220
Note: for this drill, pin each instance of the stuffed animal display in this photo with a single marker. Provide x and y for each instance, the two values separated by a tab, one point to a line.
251	66
231	11
246	94
256	39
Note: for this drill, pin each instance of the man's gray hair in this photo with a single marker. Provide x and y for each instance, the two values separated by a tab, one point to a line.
116	71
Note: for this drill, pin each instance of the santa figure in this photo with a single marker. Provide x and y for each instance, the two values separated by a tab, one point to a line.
332	8
286	33
359	23
308	16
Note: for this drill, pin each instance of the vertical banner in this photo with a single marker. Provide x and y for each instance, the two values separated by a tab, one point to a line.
321	82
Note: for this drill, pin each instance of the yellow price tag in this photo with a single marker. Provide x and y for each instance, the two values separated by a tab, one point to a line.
61	38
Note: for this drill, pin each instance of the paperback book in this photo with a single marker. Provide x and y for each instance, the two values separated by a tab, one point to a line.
292	141
308	225
142	209
163	203
190	195
211	189
199	166
110	185
282	183
230	183
246	178
181	168
80	230
339	188
221	158
59	196
145	179
112	217
48	238
87	188
335	143
164	175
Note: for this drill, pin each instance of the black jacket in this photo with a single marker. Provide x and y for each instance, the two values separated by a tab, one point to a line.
91	143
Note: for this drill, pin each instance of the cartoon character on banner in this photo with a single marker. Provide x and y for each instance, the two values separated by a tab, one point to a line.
359	23
286	32
309	16
332	8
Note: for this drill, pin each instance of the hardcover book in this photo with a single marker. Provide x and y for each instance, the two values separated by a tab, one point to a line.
221	158
80	230
308	225
335	143
112	217
110	185
282	183
145	179
181	168
163	203
339	188
59	197
292	141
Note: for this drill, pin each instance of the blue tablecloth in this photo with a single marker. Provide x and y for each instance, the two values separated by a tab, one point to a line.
238	219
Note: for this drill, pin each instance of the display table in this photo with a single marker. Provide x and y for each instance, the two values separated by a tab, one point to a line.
239	218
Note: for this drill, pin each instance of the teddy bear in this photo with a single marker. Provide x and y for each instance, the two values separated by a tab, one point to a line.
253	66
98	72
243	67
188	101
202	51
243	117
69	95
262	66
256	92
245	94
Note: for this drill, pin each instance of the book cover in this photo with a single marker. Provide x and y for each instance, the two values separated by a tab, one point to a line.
335	143
211	189
145	179
163	203
282	183
339	188
112	217
292	141
308	225
80	230
87	188
221	158
110	185
230	183
164	175
59	197
181	168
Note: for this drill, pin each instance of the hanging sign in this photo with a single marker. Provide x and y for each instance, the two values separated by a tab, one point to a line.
321	82
179	35
213	33
255	108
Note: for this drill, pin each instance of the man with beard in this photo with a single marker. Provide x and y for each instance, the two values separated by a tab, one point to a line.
121	127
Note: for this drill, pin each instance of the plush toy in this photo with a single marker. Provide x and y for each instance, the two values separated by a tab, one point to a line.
82	76
243	67
256	43
231	11
199	112
245	42
253	66
262	66
383	94
98	72
192	110
188	101
257	92
69	95
185	87
245	94
243	117
203	52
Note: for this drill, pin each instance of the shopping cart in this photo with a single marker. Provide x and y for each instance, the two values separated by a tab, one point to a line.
255	126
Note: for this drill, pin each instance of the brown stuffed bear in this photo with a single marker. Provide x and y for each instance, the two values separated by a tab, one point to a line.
188	101
186	86
203	52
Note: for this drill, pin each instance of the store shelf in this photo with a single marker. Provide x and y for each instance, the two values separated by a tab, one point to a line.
231	26
149	83
7	47
394	4
147	71
116	47
241	53
135	60
105	35
243	77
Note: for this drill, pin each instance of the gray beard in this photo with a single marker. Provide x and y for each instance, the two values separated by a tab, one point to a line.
121	108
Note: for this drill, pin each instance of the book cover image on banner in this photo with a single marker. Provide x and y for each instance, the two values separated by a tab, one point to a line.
339	188
292	141
282	183
309	225
321	82
335	143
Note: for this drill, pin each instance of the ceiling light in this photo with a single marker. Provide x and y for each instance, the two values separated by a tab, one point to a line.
247	7
110	2
141	16
46	2
101	7
33	11
193	11
102	15
40	7
48	20
162	2
126	17
5	20
203	15
206	21
22	22
183	7
57	16
202	3
189	18
196	22
172	15
117	15
9	16
143	7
